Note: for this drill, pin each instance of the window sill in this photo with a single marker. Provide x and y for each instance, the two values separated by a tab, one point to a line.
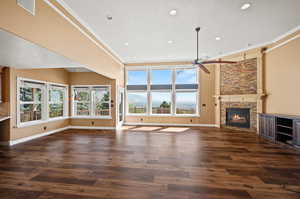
93	117
37	122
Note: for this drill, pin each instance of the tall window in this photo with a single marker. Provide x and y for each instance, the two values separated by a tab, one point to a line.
137	96
40	101
57	101
31	101
91	101
186	91
162	91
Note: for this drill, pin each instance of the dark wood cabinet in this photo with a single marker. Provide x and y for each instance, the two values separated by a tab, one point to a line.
280	128
267	126
297	132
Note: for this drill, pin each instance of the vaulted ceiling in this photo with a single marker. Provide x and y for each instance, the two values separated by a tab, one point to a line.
20	53
143	30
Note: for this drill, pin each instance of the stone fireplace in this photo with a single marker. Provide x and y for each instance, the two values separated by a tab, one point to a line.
238	117
239	93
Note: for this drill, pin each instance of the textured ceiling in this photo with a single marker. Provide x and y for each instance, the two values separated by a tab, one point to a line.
147	26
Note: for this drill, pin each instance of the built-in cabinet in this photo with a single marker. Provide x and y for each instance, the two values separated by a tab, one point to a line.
280	128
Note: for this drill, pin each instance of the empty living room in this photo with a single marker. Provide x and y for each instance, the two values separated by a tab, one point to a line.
149	99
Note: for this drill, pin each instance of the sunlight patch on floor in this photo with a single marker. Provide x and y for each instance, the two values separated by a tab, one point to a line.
174	129
147	128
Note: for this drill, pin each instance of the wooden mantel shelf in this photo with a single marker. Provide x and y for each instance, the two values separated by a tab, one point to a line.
240	98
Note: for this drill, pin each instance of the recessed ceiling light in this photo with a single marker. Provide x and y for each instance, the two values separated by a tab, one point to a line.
245	6
170	42
108	17
126	44
218	38
173	12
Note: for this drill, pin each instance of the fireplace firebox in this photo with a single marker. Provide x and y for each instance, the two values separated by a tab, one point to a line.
238	117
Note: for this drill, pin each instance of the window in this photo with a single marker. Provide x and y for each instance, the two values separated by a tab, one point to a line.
161	102
137	102
35	105
91	101
82	102
101	101
186	103
186	91
57	101
162	91
31	101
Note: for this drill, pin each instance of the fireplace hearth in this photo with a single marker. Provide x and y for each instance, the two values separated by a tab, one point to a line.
238	117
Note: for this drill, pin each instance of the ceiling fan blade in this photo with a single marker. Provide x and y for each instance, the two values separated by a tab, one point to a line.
218	62
202	67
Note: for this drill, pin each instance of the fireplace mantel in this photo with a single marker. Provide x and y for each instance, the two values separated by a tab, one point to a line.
240	98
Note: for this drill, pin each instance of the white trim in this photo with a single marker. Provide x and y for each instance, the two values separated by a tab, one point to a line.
282	44
168	124
32	12
92	117
112	54
93	127
26	139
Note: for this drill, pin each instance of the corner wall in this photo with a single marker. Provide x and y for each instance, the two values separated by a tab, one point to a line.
282	79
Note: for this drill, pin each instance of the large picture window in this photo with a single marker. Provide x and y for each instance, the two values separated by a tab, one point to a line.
91	101
162	91
40	101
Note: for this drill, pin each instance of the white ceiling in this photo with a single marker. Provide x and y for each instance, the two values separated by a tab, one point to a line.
147	26
19	53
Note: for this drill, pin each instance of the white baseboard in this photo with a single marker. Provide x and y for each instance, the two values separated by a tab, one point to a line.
93	127
25	139
167	124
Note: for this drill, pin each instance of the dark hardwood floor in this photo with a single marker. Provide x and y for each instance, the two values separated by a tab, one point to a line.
149	162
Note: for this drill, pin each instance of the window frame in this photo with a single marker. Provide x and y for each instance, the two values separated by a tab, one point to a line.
91	102
44	103
173	90
65	102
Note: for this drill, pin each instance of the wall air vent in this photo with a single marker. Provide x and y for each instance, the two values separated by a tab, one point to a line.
28	5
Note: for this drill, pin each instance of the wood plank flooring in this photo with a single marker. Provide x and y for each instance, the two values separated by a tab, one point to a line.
149	162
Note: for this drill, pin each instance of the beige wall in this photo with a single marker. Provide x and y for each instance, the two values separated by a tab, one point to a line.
282	79
50	30
90	78
50	75
206	96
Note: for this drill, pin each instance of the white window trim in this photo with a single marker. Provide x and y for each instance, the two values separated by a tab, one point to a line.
173	91
92	111
65	101
44	103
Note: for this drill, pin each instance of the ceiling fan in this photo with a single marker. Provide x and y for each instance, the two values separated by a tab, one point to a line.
201	63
